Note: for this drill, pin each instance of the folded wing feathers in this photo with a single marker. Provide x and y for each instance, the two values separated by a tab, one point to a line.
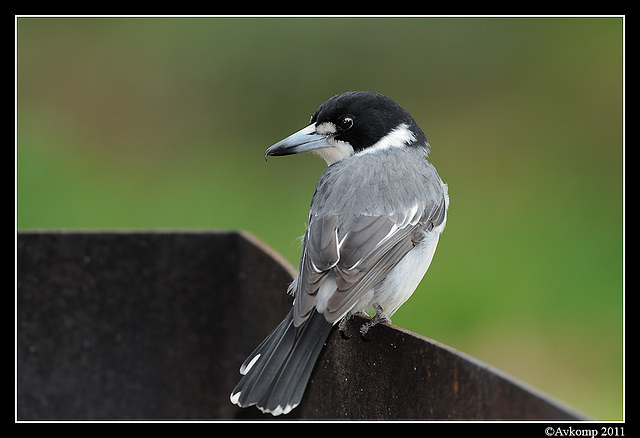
371	241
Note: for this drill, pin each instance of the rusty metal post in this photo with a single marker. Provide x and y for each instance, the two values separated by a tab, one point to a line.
153	325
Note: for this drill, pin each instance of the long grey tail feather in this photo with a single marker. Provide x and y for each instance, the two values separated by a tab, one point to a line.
277	372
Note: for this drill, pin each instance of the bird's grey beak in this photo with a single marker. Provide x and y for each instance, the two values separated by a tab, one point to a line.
307	139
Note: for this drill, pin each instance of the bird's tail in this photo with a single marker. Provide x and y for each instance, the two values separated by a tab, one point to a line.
275	375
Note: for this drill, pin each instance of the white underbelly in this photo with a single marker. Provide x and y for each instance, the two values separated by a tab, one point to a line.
403	280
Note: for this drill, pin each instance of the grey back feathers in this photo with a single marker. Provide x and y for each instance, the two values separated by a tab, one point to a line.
355	227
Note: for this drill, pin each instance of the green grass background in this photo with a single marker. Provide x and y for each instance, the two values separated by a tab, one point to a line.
162	123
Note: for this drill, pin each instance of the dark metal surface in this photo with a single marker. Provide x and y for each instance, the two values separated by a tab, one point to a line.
155	326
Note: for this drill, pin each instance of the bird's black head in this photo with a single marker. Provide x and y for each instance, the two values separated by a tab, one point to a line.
351	122
362	118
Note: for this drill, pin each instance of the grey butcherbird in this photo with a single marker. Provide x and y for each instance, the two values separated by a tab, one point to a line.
375	218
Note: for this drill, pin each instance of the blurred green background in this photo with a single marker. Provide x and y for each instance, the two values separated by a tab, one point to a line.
162	123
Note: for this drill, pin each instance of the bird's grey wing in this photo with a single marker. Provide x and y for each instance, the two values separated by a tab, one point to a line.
371	249
359	257
320	254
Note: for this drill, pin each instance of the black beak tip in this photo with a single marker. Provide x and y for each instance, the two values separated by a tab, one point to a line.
270	153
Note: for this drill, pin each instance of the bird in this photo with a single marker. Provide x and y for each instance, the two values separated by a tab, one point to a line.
375	219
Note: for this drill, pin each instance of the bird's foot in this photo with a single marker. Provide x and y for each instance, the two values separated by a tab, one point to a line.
376	319
342	327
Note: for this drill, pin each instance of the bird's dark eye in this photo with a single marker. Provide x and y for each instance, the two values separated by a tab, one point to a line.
344	123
